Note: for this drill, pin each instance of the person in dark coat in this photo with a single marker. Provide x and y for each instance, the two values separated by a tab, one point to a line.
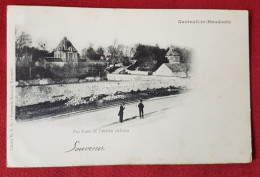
141	109
121	113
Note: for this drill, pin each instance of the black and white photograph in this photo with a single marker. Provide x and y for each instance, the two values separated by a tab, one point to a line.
93	86
62	81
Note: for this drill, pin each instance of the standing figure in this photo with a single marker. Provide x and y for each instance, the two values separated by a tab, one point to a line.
141	109
121	113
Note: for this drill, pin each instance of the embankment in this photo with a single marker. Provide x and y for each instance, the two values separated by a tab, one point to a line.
30	95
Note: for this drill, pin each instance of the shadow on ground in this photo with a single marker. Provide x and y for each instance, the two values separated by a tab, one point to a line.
134	117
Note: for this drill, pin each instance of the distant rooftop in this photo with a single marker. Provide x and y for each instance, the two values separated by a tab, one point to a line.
65	45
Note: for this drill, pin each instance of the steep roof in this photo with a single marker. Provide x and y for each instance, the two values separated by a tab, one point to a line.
171	53
176	67
66	45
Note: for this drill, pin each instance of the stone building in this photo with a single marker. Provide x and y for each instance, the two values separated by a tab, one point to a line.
172	69
66	51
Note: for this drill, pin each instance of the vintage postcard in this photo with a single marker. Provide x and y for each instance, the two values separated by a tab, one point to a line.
90	86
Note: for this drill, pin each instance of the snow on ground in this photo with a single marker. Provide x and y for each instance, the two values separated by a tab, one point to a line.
36	142
173	131
108	118
31	95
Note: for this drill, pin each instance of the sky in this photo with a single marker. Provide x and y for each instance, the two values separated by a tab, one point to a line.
100	27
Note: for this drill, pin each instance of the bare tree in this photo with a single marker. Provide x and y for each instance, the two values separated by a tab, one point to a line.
100	51
22	41
42	44
116	52
185	55
128	51
84	53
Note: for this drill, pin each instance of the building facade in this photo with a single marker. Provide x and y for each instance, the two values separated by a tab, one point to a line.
66	51
172	56
172	69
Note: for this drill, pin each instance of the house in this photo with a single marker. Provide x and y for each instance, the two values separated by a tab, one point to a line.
172	69
172	56
66	51
143	68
